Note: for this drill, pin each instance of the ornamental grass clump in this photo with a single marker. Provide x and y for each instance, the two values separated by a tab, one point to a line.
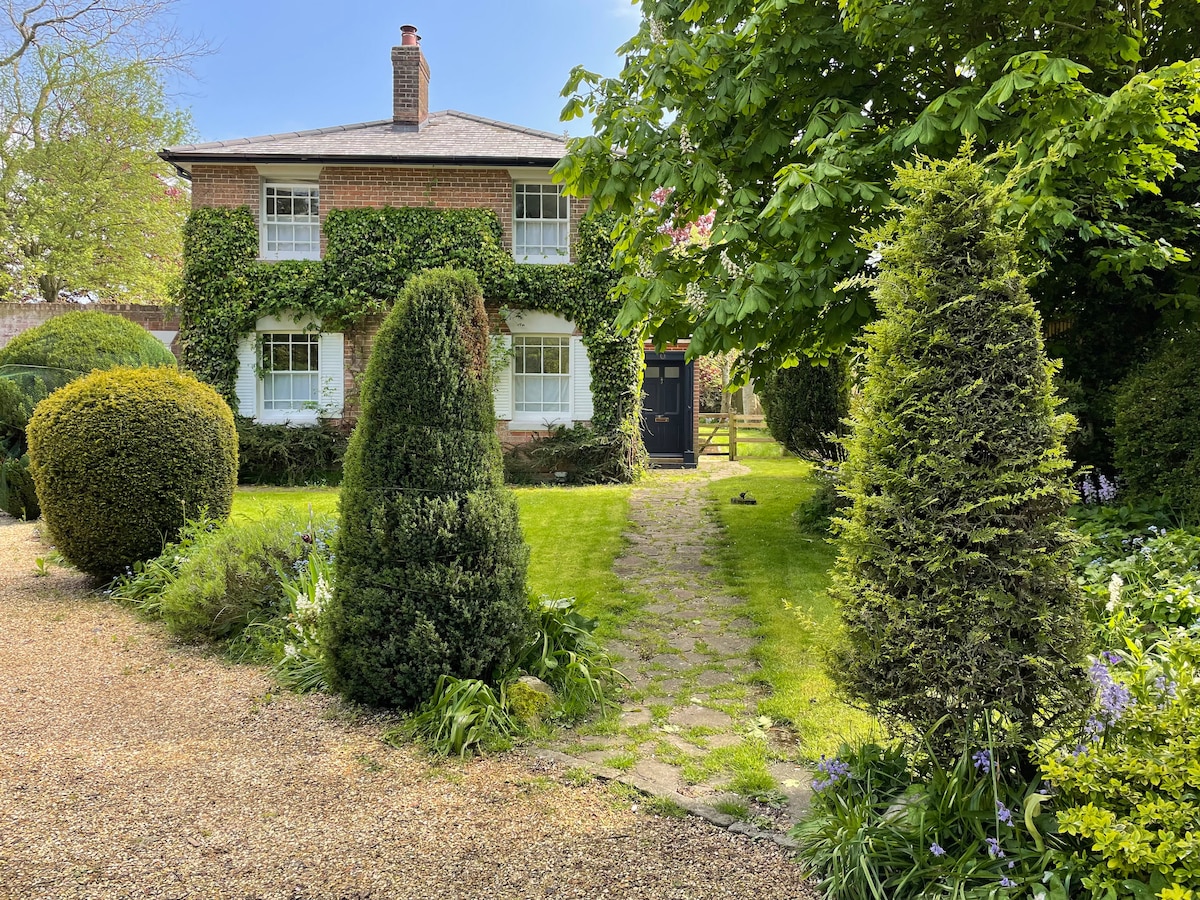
431	561
955	579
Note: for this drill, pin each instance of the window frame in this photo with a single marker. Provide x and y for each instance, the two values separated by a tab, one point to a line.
312	252
310	410
567	378
563	254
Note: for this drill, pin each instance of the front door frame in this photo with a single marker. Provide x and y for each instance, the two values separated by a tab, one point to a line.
676	357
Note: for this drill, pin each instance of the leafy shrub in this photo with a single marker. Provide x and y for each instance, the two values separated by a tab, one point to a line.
1129	795
708	375
584	454
805	406
300	659
142	586
826	501
37	362
462	714
233	578
887	825
1157	431
431	561
1145	584
286	455
954	576
18	496
122	458
565	655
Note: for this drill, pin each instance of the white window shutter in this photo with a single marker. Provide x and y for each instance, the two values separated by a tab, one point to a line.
581	381
246	387
502	392
331	363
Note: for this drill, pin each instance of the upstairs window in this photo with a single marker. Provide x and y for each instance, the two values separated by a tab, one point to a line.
291	372
541	374
541	224
291	218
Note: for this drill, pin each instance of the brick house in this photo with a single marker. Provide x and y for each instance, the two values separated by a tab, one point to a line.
288	372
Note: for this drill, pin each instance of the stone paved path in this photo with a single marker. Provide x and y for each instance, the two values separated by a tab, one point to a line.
689	728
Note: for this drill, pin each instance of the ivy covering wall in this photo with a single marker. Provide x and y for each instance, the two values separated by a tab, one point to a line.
370	255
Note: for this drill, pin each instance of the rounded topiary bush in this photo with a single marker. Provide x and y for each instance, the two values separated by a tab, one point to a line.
1157	431
805	406
431	560
122	458
61	349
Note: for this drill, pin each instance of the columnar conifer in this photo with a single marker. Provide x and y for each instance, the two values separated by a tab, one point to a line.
954	578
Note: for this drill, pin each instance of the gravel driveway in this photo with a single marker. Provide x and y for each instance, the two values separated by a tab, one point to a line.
130	767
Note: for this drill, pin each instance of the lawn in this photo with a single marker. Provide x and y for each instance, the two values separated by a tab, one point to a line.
783	575
574	535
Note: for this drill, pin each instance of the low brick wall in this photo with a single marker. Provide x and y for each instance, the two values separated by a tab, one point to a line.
18	317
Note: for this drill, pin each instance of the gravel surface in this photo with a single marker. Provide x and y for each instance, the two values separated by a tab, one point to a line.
130	767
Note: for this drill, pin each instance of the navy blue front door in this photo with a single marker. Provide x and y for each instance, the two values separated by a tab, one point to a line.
666	405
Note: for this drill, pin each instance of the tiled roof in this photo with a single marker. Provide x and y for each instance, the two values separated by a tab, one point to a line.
447	137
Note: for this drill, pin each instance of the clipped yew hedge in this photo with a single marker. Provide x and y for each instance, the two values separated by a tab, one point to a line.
431	560
122	458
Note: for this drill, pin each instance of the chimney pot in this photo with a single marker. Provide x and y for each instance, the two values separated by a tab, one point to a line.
410	80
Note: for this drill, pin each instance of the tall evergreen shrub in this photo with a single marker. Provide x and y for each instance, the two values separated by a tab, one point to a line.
1157	430
431	561
805	406
954	578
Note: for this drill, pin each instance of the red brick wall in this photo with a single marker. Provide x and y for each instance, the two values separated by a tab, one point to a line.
350	187
18	317
226	186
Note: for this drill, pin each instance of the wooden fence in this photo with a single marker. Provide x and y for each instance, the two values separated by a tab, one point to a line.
721	433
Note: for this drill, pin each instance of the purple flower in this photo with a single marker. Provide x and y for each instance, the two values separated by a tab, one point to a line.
994	850
1088	490
1108	490
1007	882
1112	697
936	849
1003	813
983	761
1113	659
834	771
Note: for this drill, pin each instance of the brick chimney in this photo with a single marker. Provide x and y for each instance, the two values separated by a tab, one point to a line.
410	80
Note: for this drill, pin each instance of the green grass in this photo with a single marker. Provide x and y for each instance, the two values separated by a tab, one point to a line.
783	576
257	502
574	536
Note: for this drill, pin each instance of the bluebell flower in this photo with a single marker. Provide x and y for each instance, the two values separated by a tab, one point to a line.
994	850
1007	882
1003	813
834	771
936	849
983	761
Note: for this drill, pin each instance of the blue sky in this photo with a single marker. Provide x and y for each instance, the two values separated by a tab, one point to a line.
284	65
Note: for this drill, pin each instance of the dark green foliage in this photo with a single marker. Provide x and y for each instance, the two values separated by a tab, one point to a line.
805	406
122	458
1157	430
370	256
287	455
18	497
585	455
955	571
431	562
231	579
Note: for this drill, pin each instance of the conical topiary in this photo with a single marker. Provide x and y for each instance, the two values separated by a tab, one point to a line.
954	578
430	557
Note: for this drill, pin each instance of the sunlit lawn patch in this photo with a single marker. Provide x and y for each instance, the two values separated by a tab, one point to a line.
783	575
